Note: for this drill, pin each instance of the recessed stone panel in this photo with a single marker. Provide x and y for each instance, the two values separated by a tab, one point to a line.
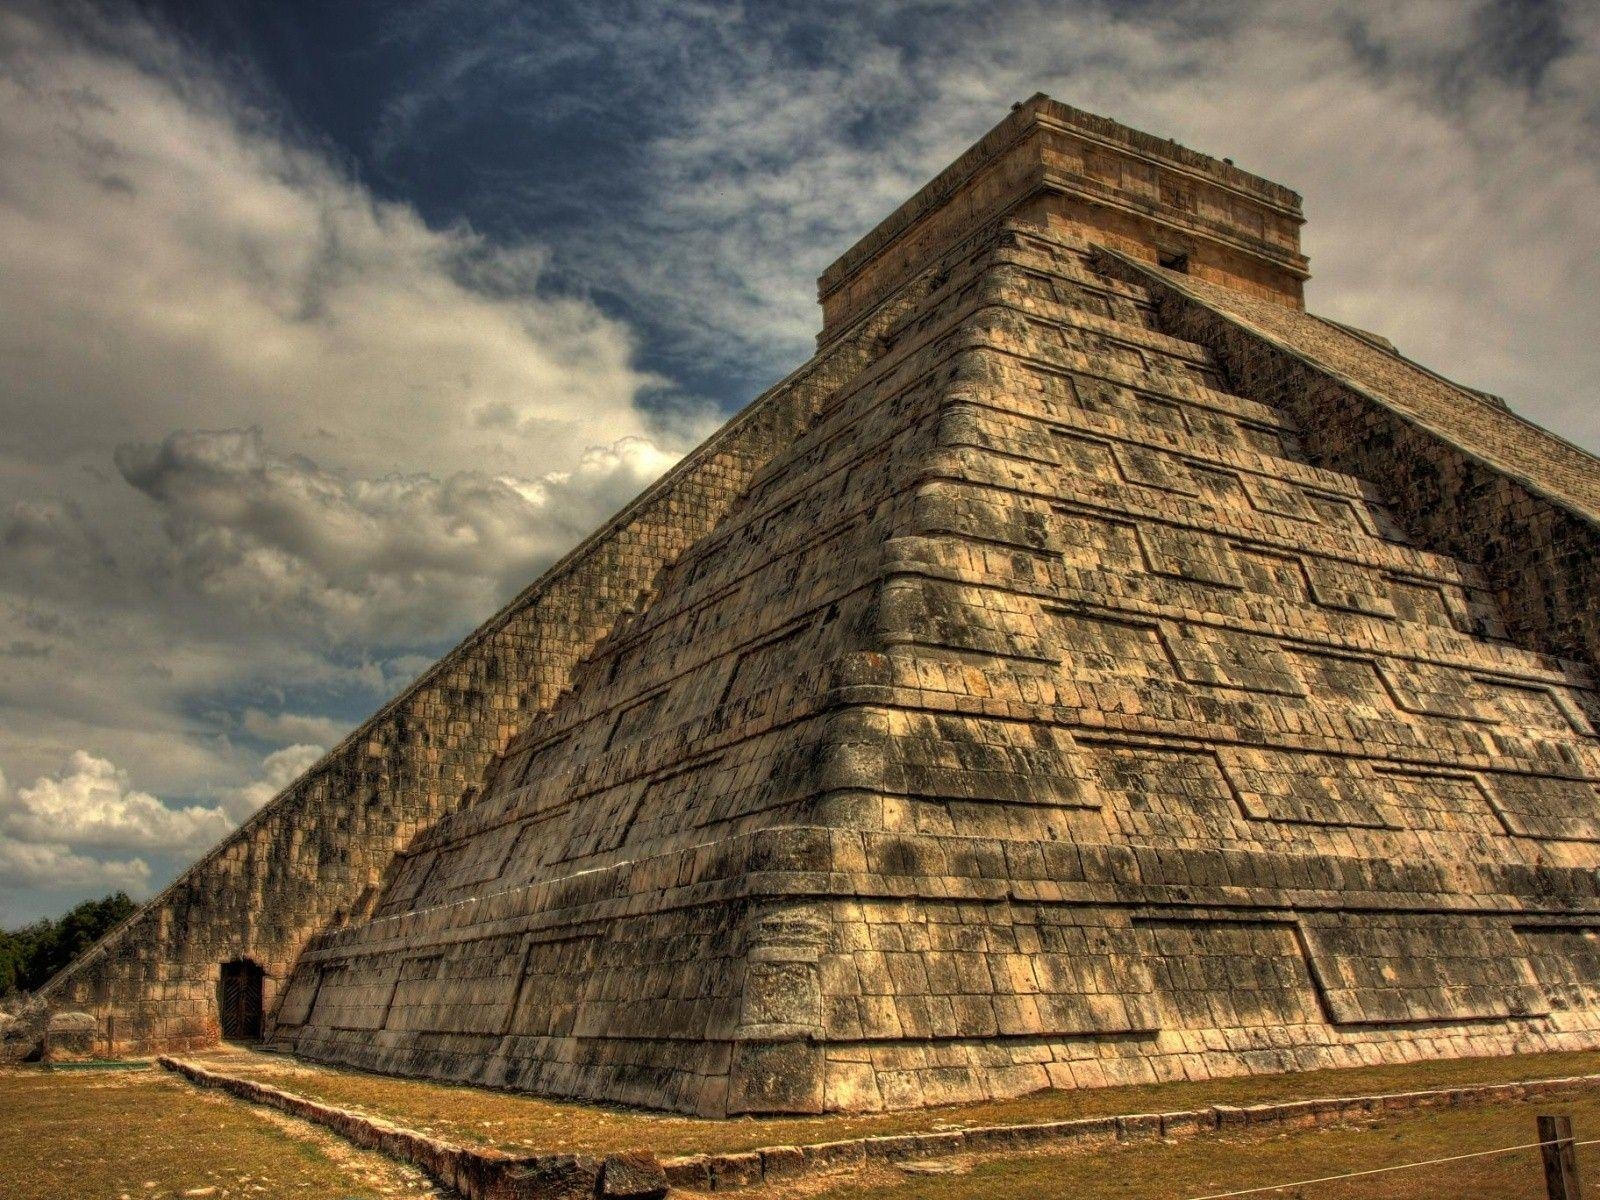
355	996
1306	789
1434	690
1189	554
1278	498
1346	586
1152	468
1439	802
1111	648
470	988
1566	961
1545	806
1402	969
1535	707
1229	974
1166	793
963	758
1224	658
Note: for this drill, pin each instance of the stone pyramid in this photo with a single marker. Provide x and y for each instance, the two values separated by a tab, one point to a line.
1114	674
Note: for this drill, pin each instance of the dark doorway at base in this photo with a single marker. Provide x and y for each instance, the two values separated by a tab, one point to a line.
239	1001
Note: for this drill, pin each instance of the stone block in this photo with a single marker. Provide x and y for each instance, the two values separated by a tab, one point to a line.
633	1177
782	1162
1188	1124
777	1077
824	1158
1139	1127
70	1036
729	1171
690	1171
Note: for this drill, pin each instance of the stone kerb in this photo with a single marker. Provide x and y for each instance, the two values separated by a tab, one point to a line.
482	1172
477	1172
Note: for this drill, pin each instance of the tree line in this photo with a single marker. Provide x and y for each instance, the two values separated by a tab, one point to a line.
30	955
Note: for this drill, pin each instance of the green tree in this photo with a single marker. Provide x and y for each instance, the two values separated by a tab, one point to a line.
10	962
31	955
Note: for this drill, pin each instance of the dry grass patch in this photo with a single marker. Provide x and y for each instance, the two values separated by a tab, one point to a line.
1206	1166
147	1135
529	1124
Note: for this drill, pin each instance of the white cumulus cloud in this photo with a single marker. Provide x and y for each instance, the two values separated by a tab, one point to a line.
55	866
91	803
167	250
278	770
86	828
287	728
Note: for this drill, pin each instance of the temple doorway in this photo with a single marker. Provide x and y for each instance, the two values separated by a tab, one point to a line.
240	1006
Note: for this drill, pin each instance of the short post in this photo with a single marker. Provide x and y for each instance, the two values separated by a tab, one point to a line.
1560	1157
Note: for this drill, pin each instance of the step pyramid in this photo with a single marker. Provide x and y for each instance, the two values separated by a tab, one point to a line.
1101	688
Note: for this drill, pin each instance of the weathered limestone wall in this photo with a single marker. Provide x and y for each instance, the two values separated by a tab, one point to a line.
314	856
1043	716
1291	799
1465	476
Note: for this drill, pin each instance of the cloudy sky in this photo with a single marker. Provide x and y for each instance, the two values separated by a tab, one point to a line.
324	327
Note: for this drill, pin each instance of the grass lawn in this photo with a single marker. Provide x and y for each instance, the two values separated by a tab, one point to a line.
1206	1166
526	1124
102	1135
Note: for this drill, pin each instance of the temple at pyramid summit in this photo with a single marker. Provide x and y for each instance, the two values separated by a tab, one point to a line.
1089	668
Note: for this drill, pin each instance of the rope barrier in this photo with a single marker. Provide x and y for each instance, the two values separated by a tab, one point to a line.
1432	1162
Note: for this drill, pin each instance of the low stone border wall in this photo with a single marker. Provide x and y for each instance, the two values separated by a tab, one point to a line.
718	1172
477	1172
482	1173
